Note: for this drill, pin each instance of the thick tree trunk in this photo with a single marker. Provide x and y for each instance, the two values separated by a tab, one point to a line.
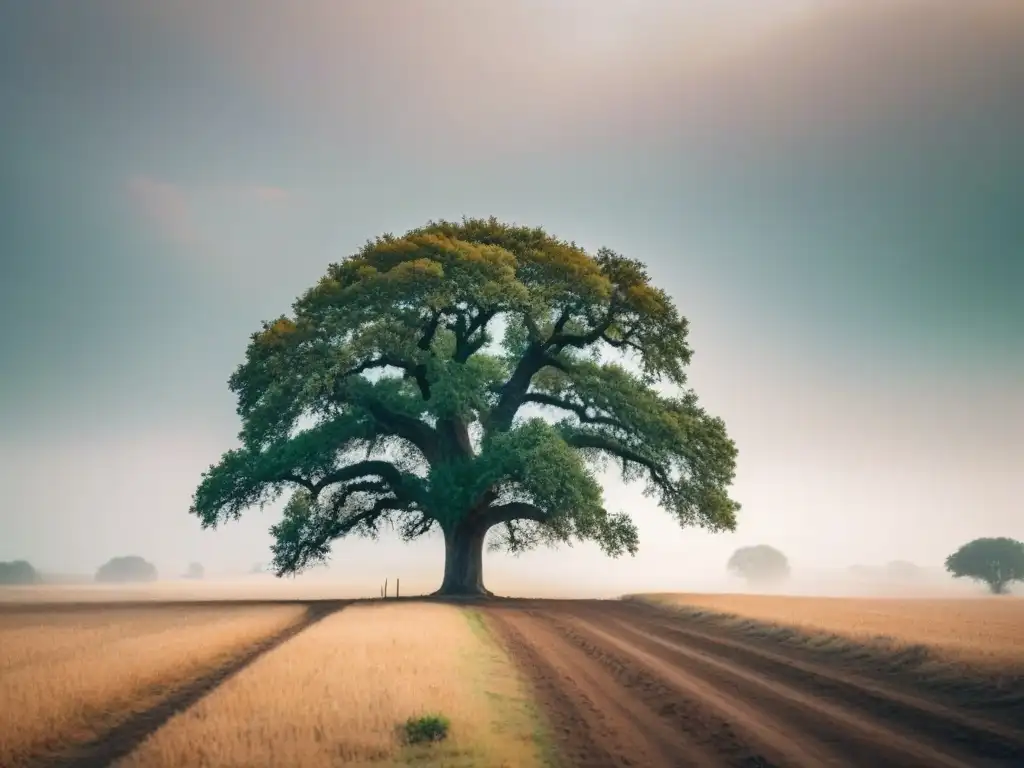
463	562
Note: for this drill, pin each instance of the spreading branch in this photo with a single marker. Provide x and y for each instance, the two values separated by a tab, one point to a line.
415	371
512	394
581	411
417	432
513	510
615	448
307	529
394	478
559	340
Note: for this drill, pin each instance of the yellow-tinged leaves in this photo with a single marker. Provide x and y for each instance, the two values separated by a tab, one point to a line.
386	255
366	272
278	332
325	289
417	269
643	297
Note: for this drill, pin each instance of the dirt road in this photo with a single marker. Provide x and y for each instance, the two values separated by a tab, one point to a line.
628	685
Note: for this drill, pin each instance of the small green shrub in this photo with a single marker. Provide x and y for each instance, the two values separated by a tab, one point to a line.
428	728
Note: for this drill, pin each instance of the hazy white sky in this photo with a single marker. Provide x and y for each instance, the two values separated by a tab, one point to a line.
830	190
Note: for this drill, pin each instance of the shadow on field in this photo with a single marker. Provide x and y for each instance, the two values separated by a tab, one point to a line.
121	740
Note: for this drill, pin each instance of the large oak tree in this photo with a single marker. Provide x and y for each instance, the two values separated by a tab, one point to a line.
471	377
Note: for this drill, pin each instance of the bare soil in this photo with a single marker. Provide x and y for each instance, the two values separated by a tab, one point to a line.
625	684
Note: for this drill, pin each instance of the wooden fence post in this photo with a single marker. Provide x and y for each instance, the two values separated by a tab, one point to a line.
398	584
385	589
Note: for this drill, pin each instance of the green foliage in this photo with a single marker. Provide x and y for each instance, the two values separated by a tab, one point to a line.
997	562
760	564
470	375
18	572
426	729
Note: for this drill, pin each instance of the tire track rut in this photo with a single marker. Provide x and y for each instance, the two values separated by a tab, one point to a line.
912	710
625	686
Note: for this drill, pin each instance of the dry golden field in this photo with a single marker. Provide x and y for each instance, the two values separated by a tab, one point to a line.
50	637
67	678
336	693
981	630
519	682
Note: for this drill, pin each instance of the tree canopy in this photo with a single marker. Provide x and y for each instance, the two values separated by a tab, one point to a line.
18	572
470	377
997	562
130	568
760	564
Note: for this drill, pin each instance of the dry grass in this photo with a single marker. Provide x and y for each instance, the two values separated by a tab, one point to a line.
987	631
50	637
66	691
337	692
256	587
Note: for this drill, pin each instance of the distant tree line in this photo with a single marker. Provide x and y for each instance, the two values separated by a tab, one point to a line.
997	562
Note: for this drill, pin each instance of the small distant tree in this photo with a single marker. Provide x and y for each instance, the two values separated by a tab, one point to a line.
860	571
901	570
256	568
195	571
761	564
121	570
18	572
997	562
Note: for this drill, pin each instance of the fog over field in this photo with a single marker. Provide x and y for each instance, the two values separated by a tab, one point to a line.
829	189
502	578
